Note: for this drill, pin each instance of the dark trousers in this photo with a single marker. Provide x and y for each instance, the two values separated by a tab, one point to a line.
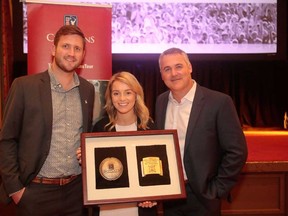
192	206
52	200
95	211
147	211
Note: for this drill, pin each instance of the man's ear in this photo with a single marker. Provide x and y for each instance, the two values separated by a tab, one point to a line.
191	68
53	50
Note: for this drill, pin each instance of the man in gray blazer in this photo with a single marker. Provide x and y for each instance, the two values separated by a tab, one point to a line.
212	143
43	119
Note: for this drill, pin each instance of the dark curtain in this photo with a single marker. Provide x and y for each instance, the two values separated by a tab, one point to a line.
258	88
6	49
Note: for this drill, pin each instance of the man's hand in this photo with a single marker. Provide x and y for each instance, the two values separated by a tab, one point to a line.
18	195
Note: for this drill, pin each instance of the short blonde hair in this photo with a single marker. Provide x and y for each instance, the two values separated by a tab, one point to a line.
140	109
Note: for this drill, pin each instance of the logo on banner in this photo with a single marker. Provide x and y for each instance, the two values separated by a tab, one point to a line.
70	20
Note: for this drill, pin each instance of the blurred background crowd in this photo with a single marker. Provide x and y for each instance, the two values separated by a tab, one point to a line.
194	23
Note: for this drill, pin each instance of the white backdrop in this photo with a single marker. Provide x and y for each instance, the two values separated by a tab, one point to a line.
204	27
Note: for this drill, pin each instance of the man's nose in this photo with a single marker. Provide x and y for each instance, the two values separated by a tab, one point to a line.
174	72
71	51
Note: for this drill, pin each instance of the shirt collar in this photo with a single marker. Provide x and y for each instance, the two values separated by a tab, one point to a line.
56	84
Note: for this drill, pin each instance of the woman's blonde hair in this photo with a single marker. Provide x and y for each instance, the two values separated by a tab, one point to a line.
140	109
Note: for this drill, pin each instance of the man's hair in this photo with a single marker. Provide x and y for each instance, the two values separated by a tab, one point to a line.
174	51
69	30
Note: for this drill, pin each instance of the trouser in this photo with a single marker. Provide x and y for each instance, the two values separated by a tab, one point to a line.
52	200
192	206
95	211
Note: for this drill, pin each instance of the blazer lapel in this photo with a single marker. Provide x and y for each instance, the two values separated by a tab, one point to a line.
84	105
195	111
46	100
163	109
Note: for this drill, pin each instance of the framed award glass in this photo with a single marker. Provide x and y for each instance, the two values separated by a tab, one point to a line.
132	166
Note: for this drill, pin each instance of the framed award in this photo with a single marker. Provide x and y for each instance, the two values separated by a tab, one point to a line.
132	166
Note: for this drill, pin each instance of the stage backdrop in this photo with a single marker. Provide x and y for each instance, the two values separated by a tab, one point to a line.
94	20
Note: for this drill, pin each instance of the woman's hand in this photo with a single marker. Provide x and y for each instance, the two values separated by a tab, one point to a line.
78	155
147	204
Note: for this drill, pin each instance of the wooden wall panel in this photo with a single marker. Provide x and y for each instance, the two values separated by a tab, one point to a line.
257	193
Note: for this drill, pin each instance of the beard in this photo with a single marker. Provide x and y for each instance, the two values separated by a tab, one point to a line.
65	65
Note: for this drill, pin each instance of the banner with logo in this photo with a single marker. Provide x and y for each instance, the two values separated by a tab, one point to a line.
94	20
44	19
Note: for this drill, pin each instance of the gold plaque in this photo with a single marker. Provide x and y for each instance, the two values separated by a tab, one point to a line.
151	165
111	168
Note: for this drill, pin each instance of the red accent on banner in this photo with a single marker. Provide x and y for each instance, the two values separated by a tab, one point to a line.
45	19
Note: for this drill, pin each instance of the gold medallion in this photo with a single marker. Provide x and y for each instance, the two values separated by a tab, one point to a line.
151	165
111	168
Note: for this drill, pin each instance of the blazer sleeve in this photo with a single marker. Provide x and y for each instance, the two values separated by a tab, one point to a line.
234	148
9	136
